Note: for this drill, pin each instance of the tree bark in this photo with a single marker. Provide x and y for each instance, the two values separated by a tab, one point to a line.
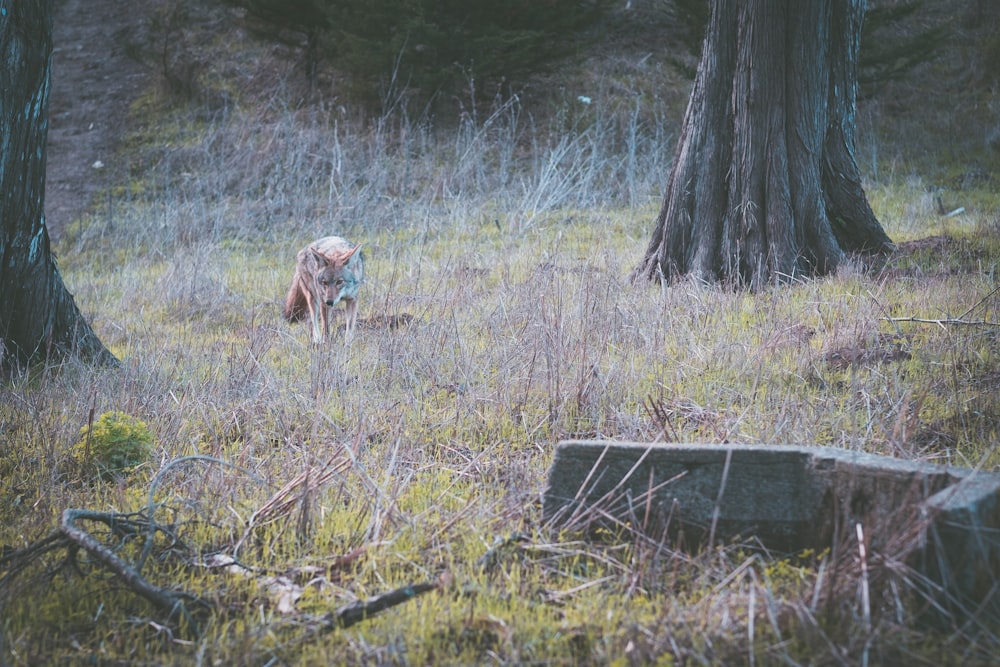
765	186
38	316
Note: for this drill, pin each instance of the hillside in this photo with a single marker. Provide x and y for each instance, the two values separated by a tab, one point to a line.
940	119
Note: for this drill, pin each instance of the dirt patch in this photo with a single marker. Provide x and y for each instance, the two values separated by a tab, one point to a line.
934	245
93	84
938	256
882	349
387	321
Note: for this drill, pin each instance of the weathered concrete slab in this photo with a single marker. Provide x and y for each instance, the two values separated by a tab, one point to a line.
791	498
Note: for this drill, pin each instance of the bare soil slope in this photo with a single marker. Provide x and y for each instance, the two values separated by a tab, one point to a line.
93	84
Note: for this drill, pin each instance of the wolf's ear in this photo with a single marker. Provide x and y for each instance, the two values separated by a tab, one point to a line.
346	256
321	259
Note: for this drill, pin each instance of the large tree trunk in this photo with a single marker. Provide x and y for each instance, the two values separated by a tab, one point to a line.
38	316
764	185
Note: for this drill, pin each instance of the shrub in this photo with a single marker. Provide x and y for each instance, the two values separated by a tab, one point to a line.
114	444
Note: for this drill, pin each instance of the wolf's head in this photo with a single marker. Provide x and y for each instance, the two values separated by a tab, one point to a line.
338	275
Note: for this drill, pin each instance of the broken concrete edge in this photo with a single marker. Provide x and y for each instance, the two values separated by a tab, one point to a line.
583	464
791	498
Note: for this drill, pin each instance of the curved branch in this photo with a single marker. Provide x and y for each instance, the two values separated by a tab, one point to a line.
154	485
169	601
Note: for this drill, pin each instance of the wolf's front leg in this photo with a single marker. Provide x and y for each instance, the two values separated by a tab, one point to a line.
351	317
327	316
316	312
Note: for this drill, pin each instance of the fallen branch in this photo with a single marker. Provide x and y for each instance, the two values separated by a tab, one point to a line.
361	610
176	604
171	602
960	320
945	321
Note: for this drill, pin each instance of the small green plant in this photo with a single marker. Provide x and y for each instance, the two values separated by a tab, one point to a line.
114	444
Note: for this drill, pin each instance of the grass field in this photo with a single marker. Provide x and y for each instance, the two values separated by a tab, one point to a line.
497	319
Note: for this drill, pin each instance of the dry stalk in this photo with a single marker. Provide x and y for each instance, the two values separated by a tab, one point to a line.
718	499
586	513
866	605
661	418
295	493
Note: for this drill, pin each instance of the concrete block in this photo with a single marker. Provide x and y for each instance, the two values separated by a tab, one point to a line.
788	498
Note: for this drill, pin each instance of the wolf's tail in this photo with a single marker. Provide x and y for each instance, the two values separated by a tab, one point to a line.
295	305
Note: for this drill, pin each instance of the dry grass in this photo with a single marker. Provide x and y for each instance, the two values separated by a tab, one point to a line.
500	248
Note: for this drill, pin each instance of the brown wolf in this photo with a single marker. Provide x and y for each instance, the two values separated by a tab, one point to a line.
327	271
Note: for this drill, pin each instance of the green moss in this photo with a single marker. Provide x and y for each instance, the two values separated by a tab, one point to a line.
115	444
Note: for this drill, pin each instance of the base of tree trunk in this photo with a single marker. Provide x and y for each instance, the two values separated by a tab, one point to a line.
38	318
765	187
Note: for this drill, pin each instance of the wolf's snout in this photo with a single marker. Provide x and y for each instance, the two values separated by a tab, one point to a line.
331	302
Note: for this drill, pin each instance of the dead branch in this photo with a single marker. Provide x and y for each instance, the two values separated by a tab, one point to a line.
177	604
960	320
362	610
15	561
945	321
151	506
172	602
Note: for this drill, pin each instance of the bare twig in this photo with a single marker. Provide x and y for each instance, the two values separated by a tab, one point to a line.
993	292
718	500
292	494
945	321
501	548
960	320
661	417
151	506
15	561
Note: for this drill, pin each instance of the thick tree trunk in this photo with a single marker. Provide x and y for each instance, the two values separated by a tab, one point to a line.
38	316
764	185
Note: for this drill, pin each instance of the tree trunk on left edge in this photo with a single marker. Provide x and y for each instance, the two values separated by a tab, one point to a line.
38	317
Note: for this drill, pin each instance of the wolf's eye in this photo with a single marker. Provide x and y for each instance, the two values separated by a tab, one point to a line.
340	282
